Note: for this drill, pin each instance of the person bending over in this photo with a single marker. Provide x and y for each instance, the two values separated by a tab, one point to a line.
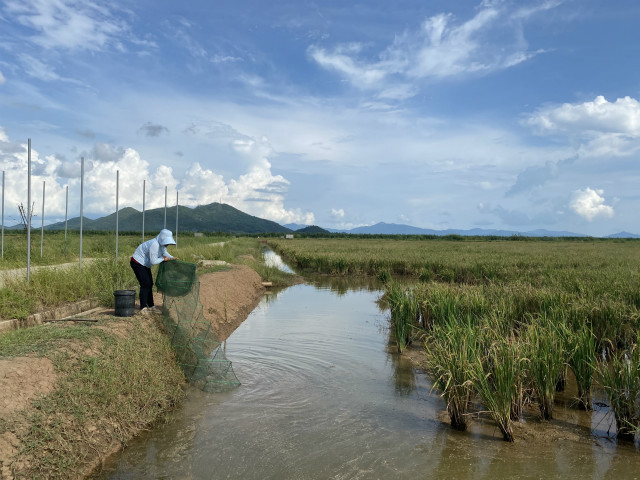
149	253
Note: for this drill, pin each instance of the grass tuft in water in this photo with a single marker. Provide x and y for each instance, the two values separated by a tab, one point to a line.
582	360
450	351
620	378
545	362
495	377
404	312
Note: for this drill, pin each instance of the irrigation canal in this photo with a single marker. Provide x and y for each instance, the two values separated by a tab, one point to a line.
325	396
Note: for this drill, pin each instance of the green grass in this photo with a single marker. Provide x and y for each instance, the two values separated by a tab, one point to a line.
582	360
495	378
109	387
620	377
42	340
405	313
100	276
545	354
592	280
472	261
94	245
450	350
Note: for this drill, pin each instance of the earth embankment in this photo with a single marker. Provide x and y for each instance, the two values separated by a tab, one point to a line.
73	393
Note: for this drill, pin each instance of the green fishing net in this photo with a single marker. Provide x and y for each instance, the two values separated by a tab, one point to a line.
198	350
175	277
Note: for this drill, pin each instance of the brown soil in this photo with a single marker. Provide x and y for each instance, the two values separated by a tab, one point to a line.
23	378
227	297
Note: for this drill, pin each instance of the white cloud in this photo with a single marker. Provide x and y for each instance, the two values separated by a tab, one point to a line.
37	69
589	204
68	24
441	47
603	128
337	212
2	79
360	75
594	118
257	192
201	186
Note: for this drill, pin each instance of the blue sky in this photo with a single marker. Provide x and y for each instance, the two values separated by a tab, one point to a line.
438	114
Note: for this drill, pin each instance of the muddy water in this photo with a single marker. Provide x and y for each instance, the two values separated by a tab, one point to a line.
324	396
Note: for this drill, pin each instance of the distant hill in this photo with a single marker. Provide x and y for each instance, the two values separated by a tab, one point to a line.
312	229
215	217
294	226
623	235
219	217
399	229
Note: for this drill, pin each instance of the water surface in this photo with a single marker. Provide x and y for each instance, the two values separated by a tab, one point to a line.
325	396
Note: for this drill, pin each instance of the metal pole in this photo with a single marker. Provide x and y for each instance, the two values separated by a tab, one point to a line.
144	185
177	203
29	211
117	189
66	214
3	214
42	225
81	206
165	207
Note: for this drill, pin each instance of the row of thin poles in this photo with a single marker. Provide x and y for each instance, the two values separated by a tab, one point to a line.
81	211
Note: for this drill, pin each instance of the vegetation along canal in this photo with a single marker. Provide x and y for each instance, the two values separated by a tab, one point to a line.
325	394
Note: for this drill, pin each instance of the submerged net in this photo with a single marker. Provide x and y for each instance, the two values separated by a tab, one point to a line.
198	350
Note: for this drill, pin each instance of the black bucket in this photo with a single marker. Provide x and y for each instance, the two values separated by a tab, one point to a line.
125	302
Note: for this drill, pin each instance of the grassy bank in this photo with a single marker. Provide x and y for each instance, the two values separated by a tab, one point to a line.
115	377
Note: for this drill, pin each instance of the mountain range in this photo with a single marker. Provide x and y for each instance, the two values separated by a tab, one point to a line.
220	217
399	229
215	217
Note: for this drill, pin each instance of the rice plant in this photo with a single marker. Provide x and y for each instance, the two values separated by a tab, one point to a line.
582	360
404	312
545	361
450	351
620	378
495	378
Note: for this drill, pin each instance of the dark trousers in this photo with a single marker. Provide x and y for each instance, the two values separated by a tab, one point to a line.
145	279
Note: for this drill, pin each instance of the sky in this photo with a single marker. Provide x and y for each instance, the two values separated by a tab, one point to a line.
496	114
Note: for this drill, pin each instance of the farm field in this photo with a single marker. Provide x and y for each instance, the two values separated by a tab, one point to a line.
51	284
504	322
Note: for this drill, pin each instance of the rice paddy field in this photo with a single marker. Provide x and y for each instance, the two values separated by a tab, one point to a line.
504	322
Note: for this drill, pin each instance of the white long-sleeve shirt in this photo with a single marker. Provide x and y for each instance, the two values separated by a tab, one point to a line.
152	252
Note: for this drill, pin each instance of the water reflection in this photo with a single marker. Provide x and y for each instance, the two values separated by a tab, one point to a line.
272	259
342	285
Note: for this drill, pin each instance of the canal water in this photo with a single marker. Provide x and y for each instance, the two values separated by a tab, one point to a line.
324	395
